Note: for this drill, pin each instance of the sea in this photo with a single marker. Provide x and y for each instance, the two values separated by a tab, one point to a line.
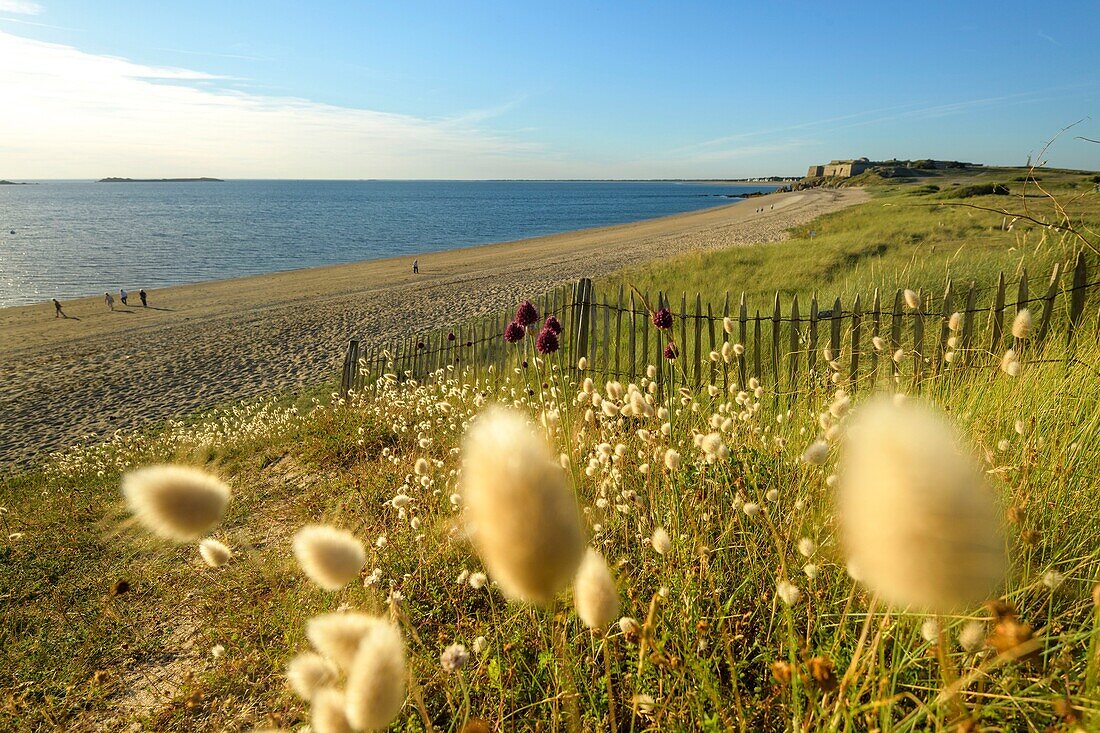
67	239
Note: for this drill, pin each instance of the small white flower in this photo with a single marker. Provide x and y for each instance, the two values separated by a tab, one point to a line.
478	580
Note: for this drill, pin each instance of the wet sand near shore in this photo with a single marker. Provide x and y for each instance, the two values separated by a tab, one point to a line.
201	345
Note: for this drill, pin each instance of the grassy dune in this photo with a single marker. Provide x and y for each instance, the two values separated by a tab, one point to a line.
182	646
907	235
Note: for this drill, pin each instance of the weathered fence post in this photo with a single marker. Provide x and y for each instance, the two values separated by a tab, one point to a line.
776	324
710	326
792	365
579	337
1077	297
811	347
896	318
743	334
351	367
876	337
941	342
857	320
619	334
725	340
1048	305
698	340
996	316
968	323
918	341
834	331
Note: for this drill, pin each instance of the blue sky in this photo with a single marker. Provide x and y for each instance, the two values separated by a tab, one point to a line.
475	89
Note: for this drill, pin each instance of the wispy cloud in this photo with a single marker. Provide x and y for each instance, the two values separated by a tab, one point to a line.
1047	37
906	111
20	7
214	54
82	115
744	151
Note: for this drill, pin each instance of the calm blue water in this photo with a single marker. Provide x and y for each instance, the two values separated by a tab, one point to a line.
76	238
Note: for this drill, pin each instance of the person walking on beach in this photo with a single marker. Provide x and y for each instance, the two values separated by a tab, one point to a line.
109	300
416	267
143	295
122	295
57	312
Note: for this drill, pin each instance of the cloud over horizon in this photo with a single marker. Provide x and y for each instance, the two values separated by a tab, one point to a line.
20	7
79	115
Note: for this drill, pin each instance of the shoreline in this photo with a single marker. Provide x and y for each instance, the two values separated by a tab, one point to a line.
216	341
97	299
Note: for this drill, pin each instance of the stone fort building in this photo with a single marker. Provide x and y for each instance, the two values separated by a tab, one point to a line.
839	168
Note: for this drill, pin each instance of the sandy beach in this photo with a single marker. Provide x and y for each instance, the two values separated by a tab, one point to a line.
204	344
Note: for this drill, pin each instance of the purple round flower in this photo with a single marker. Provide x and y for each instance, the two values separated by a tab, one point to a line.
469	343
547	342
420	344
662	319
513	333
526	314
553	324
450	337
671	352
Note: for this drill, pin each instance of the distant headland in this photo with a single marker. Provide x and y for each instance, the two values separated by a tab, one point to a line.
160	180
15	183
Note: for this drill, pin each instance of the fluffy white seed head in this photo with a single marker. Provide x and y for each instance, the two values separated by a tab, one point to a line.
817	453
454	657
1021	326
660	540
331	557
309	672
788	592
672	460
214	553
523	516
1010	364
972	636
376	680
178	503
338	635
594	593
912	299
915	516
629	625
327	712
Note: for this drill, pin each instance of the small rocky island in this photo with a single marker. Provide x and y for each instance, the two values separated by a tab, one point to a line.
14	183
160	180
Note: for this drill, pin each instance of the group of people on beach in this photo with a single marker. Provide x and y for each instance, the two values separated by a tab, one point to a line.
123	295
108	299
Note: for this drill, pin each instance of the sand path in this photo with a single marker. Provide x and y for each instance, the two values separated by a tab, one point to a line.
204	344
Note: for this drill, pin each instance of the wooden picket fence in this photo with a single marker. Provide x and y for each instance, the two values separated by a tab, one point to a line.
784	348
